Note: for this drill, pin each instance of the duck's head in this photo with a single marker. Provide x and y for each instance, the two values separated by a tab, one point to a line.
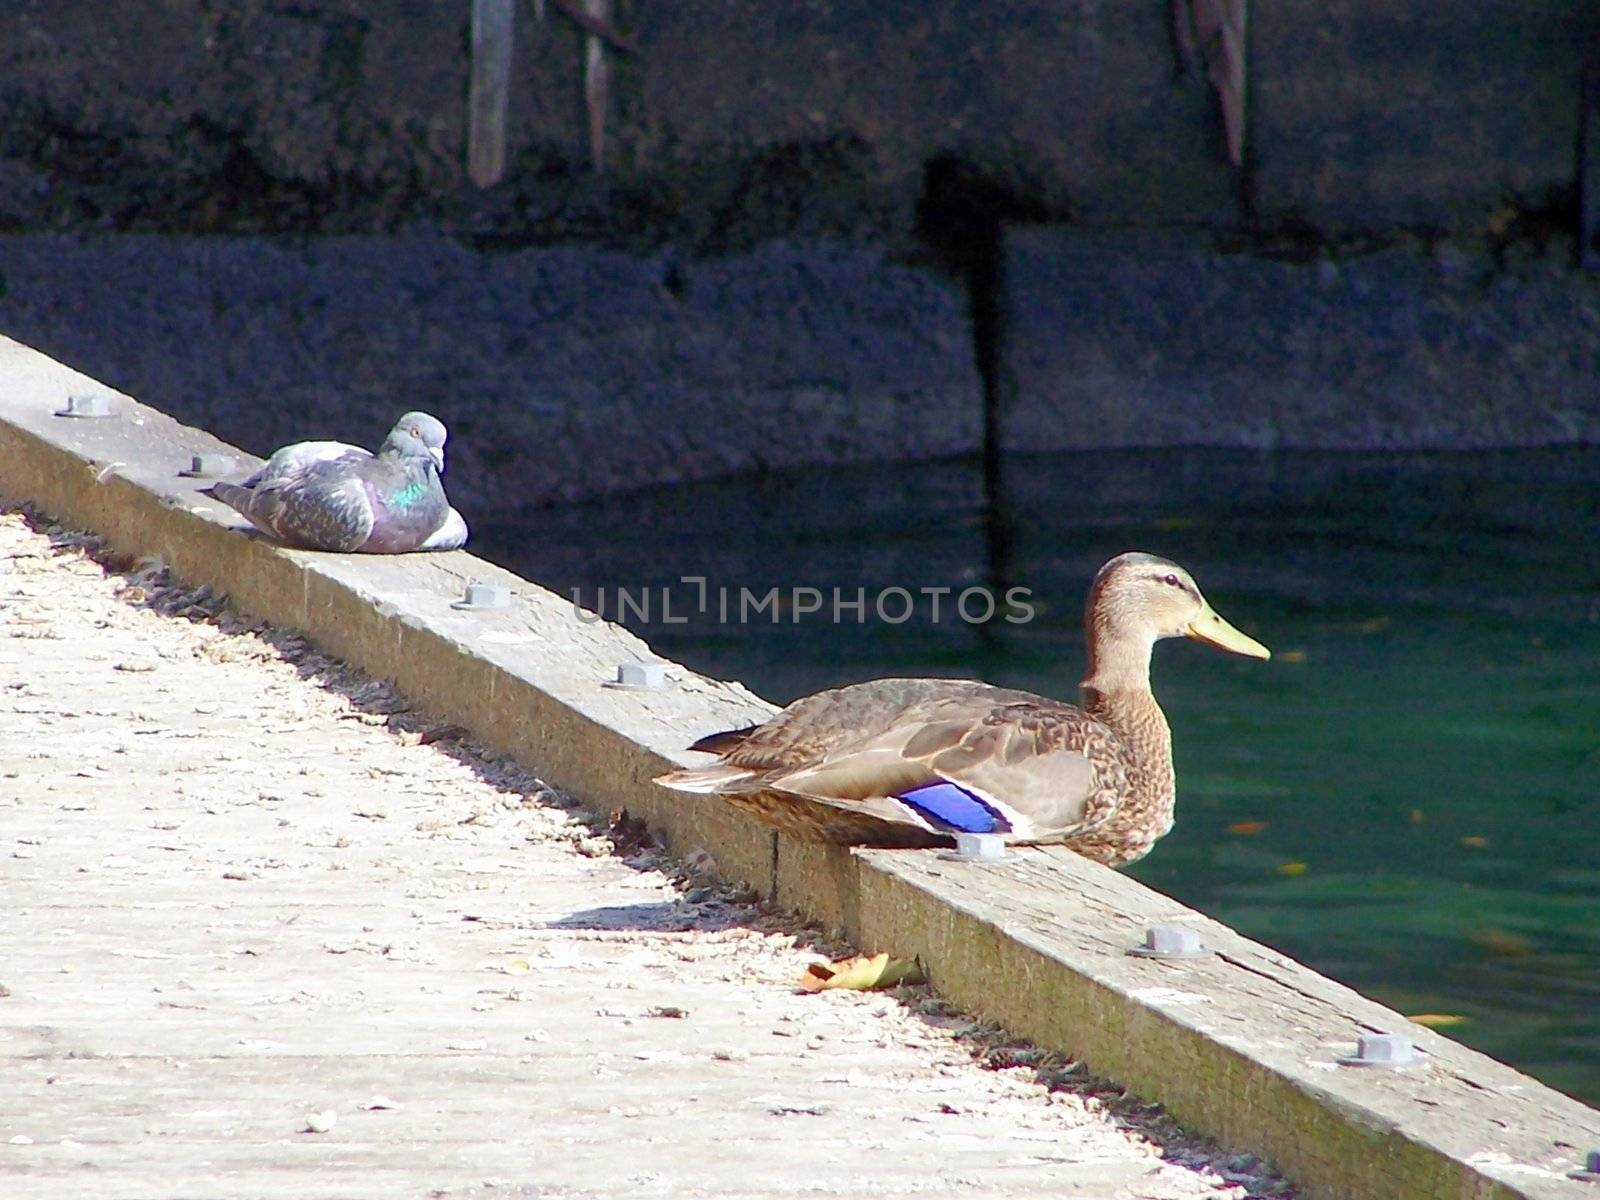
1140	598
418	435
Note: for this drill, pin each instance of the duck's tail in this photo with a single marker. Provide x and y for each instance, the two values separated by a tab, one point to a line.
721	743
720	779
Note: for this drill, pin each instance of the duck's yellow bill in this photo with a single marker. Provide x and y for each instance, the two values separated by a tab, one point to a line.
1213	630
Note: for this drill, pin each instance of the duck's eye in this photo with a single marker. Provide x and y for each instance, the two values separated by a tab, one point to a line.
1172	581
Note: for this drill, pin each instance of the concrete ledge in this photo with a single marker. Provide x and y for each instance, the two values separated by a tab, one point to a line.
1240	1045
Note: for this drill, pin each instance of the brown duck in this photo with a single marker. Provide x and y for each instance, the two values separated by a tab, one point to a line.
912	762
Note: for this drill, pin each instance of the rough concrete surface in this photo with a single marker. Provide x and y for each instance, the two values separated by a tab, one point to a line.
1368	113
733	120
560	372
270	932
1161	338
730	121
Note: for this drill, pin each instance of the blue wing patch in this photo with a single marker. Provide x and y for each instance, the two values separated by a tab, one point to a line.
950	807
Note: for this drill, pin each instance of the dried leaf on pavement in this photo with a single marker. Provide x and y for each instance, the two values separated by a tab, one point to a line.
863	973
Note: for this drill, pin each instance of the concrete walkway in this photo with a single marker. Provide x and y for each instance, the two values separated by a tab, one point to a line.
266	932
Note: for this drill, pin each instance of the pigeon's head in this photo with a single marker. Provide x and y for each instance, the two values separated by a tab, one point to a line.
418	435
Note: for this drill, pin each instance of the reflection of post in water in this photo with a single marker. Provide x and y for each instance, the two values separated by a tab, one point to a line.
998	524
962	215
989	326
1589	160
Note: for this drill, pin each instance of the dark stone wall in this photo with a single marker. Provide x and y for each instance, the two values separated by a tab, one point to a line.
812	244
1156	339
736	121
561	372
1369	114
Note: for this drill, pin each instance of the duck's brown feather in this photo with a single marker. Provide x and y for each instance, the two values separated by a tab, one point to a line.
830	765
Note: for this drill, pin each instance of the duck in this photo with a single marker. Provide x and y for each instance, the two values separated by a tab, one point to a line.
334	496
914	762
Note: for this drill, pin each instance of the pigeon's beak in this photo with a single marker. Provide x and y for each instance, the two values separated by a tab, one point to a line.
437	454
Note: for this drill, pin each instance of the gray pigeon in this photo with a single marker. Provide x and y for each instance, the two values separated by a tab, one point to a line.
333	496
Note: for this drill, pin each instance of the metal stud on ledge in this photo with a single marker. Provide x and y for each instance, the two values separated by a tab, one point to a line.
977	847
209	466
94	405
484	595
1590	1171
1382	1050
1170	941
638	676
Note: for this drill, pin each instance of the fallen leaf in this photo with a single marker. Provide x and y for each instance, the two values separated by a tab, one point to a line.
1438	1020
1292	868
1500	220
1417	817
1476	842
700	862
1291	656
1499	942
863	973
629	834
1246	828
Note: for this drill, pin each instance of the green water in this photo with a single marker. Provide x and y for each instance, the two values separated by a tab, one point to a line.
1406	797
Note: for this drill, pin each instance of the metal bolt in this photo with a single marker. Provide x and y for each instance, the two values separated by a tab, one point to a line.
484	595
1590	1172
1382	1050
977	847
95	404
209	466
1170	941
642	676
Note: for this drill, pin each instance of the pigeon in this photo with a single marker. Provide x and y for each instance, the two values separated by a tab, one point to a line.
332	496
